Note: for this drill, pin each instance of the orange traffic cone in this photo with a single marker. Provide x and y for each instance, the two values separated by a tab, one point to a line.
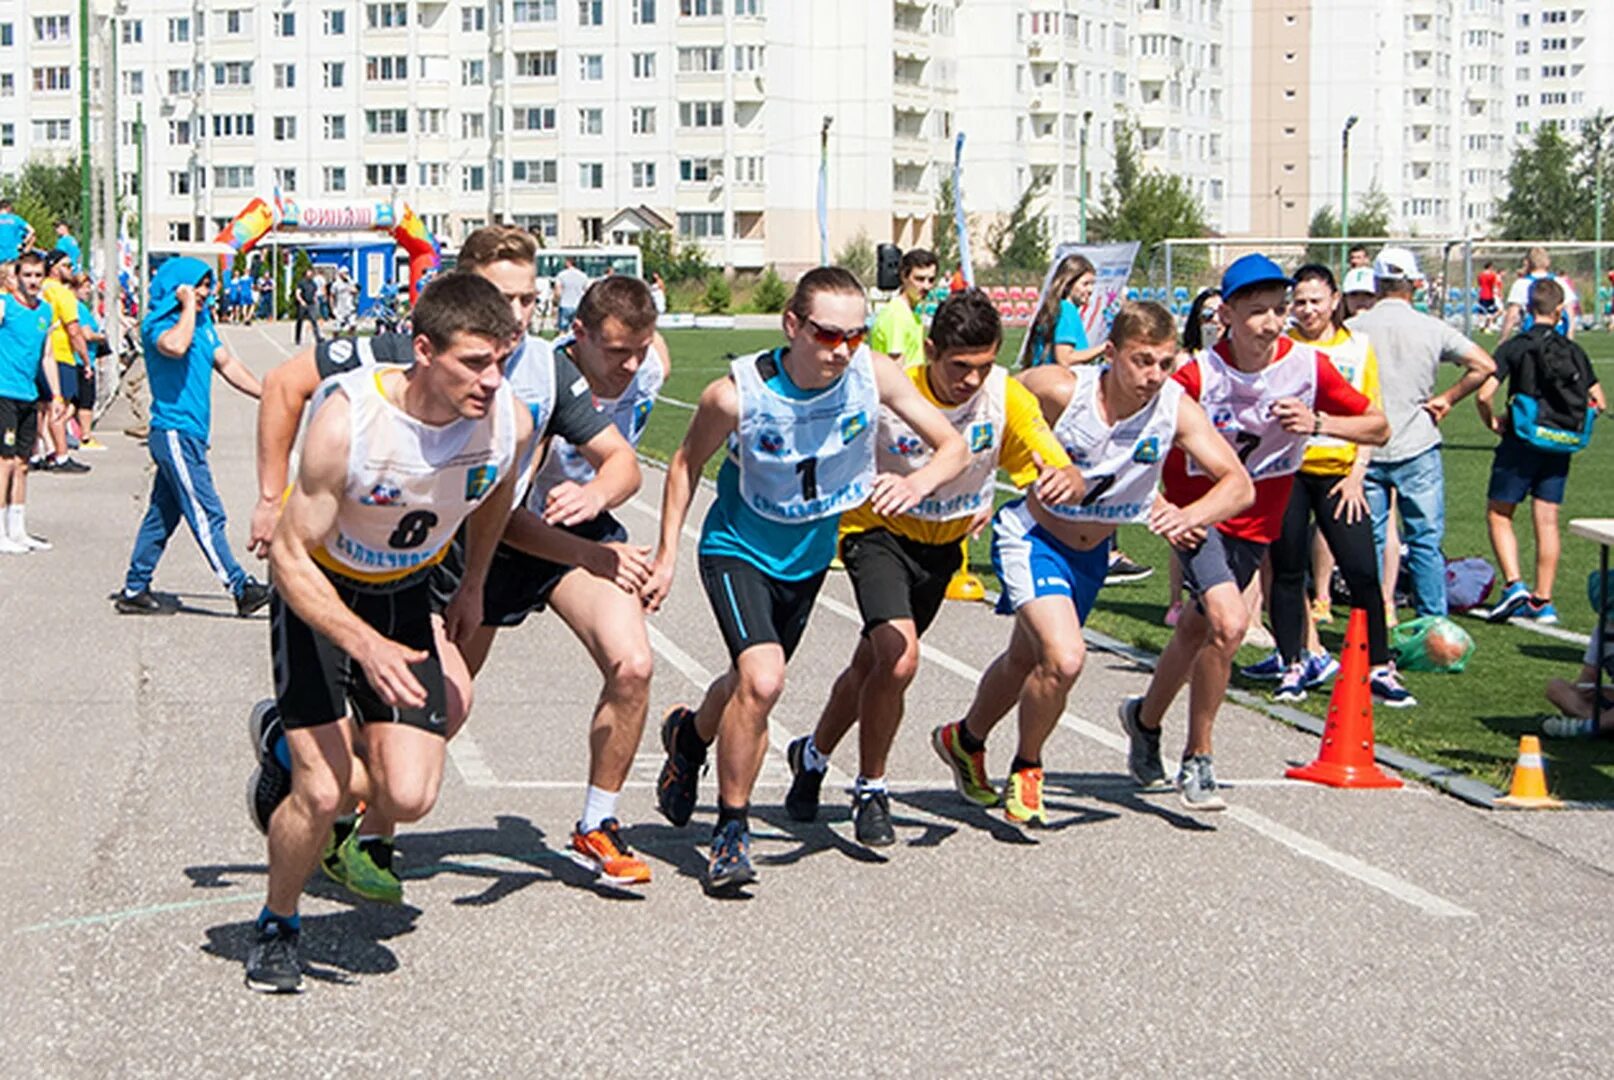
1346	759
1529	790
964	585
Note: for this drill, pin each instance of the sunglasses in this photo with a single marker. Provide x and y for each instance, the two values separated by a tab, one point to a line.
1208	314
831	337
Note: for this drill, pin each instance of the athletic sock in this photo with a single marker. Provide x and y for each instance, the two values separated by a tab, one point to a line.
688	740
1019	763
871	785
292	922
727	813
598	805
969	742
812	757
17	521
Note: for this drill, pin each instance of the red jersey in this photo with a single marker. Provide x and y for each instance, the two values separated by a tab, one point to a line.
1489	282
1250	429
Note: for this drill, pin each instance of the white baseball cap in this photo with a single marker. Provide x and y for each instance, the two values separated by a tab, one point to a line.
1396	263
1358	279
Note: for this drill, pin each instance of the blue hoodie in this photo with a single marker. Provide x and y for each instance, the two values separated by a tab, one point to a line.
181	388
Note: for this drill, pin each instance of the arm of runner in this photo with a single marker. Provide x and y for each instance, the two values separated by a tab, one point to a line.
1031	454
236	373
715	416
1479	367
286	390
1233	490
80	342
660	344
175	342
616	479
894	495
627	566
482	532
309	517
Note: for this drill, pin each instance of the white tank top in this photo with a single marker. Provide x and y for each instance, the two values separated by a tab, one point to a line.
900	450
810	458
629	411
410	484
1239	405
1350	357
1120	462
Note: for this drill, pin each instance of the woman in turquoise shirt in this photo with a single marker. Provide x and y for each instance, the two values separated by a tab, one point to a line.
1057	334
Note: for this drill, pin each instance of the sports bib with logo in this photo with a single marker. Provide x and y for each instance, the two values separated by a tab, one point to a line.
806	459
410	484
1120	463
980	420
1349	355
1239	404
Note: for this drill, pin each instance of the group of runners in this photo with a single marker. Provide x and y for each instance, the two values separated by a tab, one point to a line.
450	483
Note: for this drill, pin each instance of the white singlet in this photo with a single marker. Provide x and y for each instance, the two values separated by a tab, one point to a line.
410	484
629	411
1121	463
980	420
1239	404
808	458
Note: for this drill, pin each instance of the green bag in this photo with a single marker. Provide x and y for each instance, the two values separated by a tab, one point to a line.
1432	643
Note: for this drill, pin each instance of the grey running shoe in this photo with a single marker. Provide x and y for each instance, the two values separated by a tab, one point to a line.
1196	783
729	869
1143	748
871	818
274	963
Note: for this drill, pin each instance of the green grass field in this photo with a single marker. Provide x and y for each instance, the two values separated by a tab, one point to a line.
1470	721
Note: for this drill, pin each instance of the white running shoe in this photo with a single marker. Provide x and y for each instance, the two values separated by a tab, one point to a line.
33	543
8	546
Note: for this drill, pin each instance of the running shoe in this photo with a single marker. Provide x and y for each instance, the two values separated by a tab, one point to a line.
8	546
1568	727
678	786
1540	612
92	444
1123	571
801	801
1022	798
1292	686
1320	667
33	543
270	781
1196	784
366	867
730	866
603	851
254	594
1268	670
1143	748
969	770
330	856
1174	613
141	603
69	466
1515	598
1322	611
274	963
871	818
1387	689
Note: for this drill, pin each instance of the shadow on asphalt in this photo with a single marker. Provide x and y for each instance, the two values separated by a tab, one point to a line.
178	604
335	947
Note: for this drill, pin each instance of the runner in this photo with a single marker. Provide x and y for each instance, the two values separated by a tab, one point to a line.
1266	394
1116	422
799	422
586	570
395	459
900	566
558	399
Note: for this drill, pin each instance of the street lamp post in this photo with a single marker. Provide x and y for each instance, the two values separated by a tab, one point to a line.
1344	191
84	197
1081	222
1598	124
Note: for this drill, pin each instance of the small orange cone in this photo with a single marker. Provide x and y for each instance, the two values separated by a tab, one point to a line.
1529	790
965	585
1346	758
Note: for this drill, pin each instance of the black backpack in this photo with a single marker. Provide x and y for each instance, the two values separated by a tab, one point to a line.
1549	405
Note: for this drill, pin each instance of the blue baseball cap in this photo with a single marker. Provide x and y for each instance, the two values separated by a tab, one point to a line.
1251	270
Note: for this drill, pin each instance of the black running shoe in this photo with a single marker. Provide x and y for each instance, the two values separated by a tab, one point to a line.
678	786
270	782
1123	571
141	603
254	595
274	965
801	801
71	466
730	866
871	819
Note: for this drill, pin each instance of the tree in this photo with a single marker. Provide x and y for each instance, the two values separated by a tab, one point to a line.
943	229
661	254
1371	217
1544	200
44	191
1019	242
1149	206
857	255
718	295
771	294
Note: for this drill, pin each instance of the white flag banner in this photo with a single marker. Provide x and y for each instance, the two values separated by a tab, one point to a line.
1112	266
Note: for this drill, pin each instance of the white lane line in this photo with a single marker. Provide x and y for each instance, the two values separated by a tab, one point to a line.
471	765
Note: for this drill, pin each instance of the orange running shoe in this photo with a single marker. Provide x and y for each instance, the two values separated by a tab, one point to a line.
1022	798
603	851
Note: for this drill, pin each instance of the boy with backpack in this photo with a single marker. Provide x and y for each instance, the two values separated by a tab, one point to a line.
1553	399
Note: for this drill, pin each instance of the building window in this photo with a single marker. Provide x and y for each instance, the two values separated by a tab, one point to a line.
233	21
591	175
543	64
285	76
591	121
179	133
386	121
702	225
286	178
749	57
53	79
134	83
52	28
592	228
386	68
644	65
179	182
335	127
335	178
179	230
644	174
534	118
432	174
285	24
643	12
53	131
700	9
233	73
531	11
233	177
333	75
473	125
473	72
473	178
699	170
335	23
390	16
430	121
699	60
643	119
8	135
537	173
132	31
179	31
386	174
234	125
473	19
700	114
591	12
591	67
179	81
285	129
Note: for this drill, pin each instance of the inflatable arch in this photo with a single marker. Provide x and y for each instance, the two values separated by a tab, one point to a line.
407	229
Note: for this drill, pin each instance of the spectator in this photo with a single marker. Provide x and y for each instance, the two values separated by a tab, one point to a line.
25	322
1057	334
1410	347
96	344
345	302
183	350
1356	291
266	295
1516	319
307	307
16	235
1551	377
658	293
1356	258
1489	283
68	246
1583	717
71	353
897	331
570	285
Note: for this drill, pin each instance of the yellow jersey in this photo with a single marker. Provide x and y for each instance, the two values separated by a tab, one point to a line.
1351	353
63	303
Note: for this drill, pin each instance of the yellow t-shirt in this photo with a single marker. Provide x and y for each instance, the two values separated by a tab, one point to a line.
1353	355
1026	432
64	306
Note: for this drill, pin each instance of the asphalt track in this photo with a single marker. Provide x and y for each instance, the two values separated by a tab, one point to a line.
1304	931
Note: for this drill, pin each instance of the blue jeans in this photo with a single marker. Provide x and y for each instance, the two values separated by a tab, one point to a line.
1420	485
563	319
182	488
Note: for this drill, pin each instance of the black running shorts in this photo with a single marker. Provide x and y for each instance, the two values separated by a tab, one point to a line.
315	682
19	427
755	609
895	577
519	584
